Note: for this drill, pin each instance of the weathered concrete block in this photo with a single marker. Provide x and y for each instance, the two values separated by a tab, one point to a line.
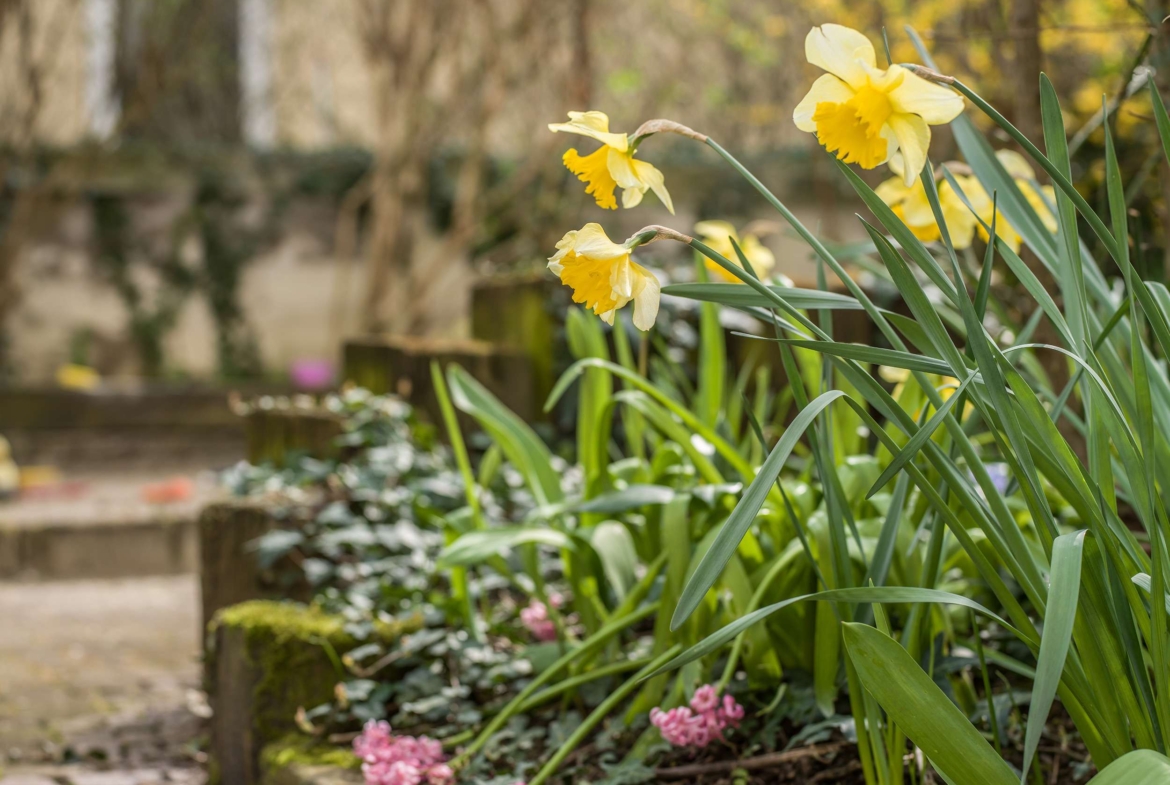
269	659
274	434
136	428
521	312
228	572
402	365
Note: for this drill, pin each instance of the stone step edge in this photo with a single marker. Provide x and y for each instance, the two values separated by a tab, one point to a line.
104	550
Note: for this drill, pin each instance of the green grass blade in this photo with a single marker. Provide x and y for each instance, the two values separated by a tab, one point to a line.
875	355
745	512
1140	767
919	439
519	442
922	711
1160	117
858	594
712	370
1063	591
475	547
741	296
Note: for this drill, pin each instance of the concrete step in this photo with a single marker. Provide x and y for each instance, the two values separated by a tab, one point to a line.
100	526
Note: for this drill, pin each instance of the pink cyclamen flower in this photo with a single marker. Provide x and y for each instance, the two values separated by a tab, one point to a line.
700	723
400	760
535	618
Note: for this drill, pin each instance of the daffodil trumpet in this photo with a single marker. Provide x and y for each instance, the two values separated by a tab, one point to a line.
603	276
864	114
613	165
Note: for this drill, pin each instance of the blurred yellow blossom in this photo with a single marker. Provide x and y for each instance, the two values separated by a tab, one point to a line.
719	236
1039	197
612	165
603	276
77	377
865	114
911	205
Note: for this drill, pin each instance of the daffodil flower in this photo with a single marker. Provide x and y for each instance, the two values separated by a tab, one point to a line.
1039	197
863	113
612	165
719	236
911	205
603	276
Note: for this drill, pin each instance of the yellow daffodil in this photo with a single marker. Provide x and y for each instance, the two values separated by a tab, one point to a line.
78	377
612	165
911	205
719	236
603	276
1039	197
863	113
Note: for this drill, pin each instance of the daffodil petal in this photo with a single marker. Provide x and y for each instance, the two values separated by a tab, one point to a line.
826	88
646	300
621	280
760	256
715	230
590	240
1016	164
593	124
650	176
636	177
892	191
913	135
842	51
932	102
632	197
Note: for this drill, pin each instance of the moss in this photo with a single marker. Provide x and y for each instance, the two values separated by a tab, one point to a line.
294	750
295	651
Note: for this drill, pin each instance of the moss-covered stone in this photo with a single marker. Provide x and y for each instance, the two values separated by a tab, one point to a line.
271	658
301	750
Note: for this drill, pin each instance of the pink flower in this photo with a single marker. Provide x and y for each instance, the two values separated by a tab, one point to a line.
400	760
535	618
705	699
700	723
440	774
679	726
730	712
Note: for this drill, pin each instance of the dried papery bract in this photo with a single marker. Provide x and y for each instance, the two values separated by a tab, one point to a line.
663	126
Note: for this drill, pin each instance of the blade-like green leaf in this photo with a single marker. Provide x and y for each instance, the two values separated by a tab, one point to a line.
476	546
876	355
922	711
1143	581
1064	586
740	295
614	546
917	440
520	444
629	498
863	594
1140	767
745	512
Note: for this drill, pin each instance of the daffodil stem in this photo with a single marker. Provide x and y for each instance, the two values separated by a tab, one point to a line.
598	714
814	243
591	644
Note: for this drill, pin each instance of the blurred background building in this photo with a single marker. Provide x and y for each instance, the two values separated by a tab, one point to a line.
220	188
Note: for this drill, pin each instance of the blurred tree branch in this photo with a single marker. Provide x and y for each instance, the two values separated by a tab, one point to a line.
475	54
